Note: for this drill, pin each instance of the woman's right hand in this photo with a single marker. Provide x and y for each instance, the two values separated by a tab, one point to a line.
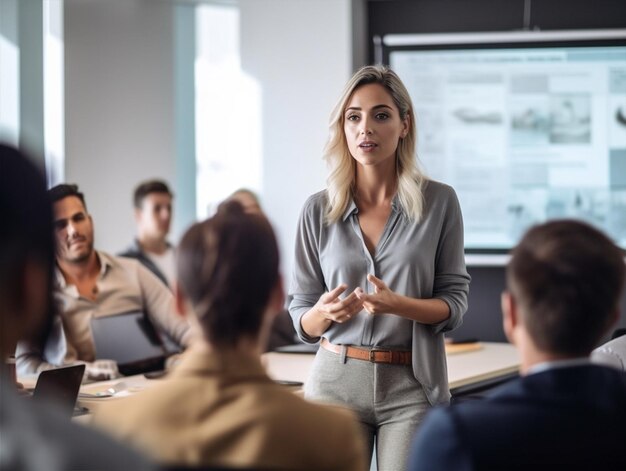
329	308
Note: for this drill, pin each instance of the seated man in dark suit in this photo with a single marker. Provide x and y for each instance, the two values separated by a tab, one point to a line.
564	283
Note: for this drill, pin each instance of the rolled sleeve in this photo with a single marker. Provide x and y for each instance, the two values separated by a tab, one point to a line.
32	359
159	304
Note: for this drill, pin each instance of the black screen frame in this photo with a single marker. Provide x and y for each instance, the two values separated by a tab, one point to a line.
483	41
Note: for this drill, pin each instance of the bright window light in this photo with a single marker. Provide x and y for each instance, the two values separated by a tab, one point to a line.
9	73
228	111
54	114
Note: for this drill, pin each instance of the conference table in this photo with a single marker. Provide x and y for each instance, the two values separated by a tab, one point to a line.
471	368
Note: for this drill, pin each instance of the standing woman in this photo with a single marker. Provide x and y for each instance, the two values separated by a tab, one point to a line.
379	270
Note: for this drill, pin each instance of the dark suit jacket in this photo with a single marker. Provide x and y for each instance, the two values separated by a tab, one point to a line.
563	418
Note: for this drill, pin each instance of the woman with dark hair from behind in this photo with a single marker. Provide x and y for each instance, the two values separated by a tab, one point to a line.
282	332
219	407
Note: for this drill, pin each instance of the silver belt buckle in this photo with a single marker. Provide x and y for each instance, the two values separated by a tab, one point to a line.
372	352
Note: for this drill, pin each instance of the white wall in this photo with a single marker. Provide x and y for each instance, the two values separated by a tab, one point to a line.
9	72
119	106
300	53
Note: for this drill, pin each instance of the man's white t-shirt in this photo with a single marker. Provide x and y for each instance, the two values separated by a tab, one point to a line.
166	262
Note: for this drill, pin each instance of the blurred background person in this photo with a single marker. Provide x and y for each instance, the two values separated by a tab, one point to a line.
248	199
282	332
152	201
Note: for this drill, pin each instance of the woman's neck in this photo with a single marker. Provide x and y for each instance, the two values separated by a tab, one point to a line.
245	346
374	186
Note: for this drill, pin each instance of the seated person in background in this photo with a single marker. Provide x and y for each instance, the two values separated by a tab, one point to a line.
612	353
91	283
283	332
248	199
219	407
153	214
564	282
33	436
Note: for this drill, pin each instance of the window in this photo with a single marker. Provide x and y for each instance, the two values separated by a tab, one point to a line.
228	111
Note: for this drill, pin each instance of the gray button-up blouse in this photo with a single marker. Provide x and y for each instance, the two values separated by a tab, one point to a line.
420	260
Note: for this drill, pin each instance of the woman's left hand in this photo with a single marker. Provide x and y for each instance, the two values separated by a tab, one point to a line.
382	300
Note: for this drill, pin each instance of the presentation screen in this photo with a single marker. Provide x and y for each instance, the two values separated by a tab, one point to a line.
526	127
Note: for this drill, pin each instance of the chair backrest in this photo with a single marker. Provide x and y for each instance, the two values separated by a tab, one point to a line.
618	333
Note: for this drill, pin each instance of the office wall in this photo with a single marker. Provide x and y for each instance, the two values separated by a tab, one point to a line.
120	101
9	72
119	106
453	16
300	57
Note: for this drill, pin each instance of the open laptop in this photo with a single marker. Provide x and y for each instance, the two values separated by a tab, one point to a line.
132	341
60	387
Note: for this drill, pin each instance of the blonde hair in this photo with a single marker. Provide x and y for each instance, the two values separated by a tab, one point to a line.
342	165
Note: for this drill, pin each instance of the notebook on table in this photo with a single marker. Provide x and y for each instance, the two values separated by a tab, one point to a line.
298	348
132	341
60	386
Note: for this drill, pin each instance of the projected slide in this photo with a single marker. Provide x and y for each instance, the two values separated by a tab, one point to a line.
523	135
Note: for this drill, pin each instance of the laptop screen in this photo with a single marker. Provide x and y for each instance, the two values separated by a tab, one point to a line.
60	386
127	338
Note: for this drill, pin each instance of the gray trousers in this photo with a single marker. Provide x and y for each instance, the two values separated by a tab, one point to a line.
388	399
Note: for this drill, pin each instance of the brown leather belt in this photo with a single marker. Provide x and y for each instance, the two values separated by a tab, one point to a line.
374	355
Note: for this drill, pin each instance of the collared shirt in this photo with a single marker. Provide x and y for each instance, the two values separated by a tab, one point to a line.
551	365
612	353
419	260
123	285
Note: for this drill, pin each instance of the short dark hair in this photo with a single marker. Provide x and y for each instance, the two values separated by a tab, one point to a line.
63	190
227	267
567	277
27	230
147	187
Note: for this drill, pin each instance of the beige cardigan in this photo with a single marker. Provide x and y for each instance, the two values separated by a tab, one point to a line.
224	410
